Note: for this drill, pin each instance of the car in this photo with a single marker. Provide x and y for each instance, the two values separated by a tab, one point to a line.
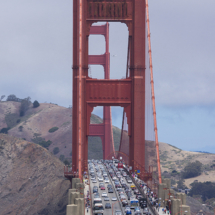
95	190
107	205
100	179
102	187
145	211
136	209
96	195
118	212
107	180
101	184
114	199
104	194
109	186
124	203
137	213
128	210
94	181
106	199
110	190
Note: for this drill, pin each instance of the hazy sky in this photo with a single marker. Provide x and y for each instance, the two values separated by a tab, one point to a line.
36	60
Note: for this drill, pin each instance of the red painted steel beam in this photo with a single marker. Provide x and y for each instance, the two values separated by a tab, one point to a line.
97	59
110	92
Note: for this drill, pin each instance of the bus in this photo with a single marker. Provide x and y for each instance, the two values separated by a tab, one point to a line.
98	209
134	203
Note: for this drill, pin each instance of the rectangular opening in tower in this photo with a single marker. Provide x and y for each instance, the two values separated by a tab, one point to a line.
108	52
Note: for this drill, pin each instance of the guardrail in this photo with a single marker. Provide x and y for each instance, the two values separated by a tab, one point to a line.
153	210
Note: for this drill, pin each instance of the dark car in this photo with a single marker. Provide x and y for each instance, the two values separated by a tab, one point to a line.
124	203
109	186
95	189
107	205
110	190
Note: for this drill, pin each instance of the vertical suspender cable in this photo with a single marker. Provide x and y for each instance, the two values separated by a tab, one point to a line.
80	93
153	94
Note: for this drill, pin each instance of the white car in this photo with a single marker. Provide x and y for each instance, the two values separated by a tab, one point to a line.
100	179
94	181
107	180
106	199
114	199
104	194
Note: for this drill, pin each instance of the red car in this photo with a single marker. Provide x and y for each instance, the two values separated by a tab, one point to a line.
102	187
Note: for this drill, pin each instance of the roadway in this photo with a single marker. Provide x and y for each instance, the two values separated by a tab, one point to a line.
115	205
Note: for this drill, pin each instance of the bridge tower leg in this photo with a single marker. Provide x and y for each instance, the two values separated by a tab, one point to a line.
89	93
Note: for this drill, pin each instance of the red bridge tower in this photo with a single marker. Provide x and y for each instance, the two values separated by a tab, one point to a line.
128	93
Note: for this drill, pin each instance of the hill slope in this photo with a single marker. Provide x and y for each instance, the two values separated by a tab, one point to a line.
35	125
31	179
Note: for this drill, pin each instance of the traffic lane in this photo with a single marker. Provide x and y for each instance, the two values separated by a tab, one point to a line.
114	204
129	184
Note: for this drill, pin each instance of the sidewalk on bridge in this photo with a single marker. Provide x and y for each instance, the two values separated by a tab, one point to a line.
161	212
86	188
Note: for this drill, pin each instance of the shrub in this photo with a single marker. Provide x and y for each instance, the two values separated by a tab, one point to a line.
62	157
51	130
56	150
18	120
20	128
41	141
36	104
192	170
66	162
45	144
4	130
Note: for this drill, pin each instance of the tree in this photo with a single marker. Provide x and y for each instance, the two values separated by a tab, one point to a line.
12	97
2	97
56	150
181	185
25	104
4	130
20	128
192	169
66	162
36	104
205	189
